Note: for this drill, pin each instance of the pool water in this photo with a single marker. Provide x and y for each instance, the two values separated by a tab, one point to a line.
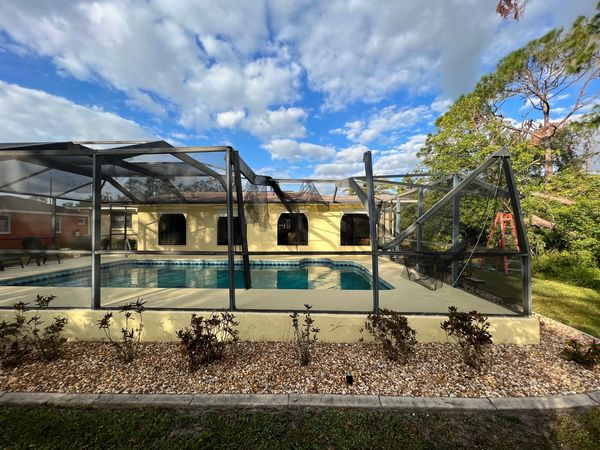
169	274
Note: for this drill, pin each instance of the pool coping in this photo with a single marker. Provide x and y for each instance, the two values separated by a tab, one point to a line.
109	400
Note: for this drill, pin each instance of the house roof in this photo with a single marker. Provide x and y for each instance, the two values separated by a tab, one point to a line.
10	203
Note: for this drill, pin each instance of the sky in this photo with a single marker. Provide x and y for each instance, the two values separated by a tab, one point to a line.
300	88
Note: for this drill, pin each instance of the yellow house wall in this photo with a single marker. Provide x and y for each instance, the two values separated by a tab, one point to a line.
323	228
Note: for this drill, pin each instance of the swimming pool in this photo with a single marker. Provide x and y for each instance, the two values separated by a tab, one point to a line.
303	274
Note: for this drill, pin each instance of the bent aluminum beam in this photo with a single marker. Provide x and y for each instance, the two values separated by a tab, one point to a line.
445	199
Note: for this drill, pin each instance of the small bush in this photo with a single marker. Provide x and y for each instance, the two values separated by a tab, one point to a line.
392	331
127	346
471	332
305	335
206	339
25	336
586	356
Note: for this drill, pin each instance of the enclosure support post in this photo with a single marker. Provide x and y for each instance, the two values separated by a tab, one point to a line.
125	242
242	220
373	215
397	225
521	234
419	228
455	230
110	222
96	229
54	222
230	259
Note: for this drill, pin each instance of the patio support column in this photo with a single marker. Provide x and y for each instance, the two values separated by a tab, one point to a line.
397	225
110	221
455	230
96	225
420	227
521	234
125	243
230	258
373	216
243	226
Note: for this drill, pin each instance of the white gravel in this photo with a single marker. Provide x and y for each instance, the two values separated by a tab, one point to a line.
271	367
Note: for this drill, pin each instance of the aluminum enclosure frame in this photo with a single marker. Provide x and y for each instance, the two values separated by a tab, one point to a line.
78	157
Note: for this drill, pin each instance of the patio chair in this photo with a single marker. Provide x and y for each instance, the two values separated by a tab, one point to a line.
33	243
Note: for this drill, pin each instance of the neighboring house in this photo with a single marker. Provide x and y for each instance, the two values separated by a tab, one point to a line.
21	218
202	224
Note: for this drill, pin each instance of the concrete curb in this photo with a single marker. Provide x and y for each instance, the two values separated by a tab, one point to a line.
548	403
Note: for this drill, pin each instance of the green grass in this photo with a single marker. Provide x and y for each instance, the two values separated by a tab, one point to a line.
46	427
576	306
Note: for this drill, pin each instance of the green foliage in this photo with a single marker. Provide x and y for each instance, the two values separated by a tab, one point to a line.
26	334
587	356
470	329
572	267
305	335
128	345
206	339
391	330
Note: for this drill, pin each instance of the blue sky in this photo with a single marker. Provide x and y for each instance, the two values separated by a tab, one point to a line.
300	88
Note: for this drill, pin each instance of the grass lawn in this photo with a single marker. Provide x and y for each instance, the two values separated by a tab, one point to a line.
46	427
576	306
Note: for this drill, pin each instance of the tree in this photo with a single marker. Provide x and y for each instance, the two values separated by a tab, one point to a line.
538	74
514	8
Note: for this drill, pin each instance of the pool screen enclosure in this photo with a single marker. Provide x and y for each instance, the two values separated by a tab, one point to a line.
435	228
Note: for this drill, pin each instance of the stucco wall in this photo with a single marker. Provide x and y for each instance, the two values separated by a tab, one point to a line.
162	326
323	228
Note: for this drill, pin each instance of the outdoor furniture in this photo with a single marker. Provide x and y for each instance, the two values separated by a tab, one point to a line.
33	243
11	258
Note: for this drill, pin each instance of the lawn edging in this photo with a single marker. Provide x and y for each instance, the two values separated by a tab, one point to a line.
551	402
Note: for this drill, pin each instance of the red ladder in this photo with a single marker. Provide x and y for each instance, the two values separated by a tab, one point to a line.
505	221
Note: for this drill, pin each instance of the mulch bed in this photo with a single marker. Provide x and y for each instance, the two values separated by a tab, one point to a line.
267	367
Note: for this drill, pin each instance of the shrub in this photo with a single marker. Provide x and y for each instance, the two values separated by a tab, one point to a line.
572	267
26	335
392	331
206	339
305	335
128	345
471	332
586	356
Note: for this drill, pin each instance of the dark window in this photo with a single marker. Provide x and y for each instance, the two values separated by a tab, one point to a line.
117	220
354	229
171	229
292	229
222	231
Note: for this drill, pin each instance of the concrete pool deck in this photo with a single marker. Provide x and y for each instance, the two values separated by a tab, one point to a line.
407	296
425	308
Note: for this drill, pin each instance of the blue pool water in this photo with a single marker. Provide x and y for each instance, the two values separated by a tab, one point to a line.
214	274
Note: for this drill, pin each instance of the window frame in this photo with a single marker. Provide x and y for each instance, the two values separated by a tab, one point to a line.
173	213
354	214
303	242
237	233
58	224
124	216
9	220
81	220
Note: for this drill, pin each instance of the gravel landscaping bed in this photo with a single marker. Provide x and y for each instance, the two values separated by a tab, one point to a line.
266	367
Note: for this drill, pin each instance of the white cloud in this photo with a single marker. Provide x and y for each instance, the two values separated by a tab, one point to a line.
30	115
401	159
388	119
198	57
280	123
441	105
229	119
293	151
346	162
